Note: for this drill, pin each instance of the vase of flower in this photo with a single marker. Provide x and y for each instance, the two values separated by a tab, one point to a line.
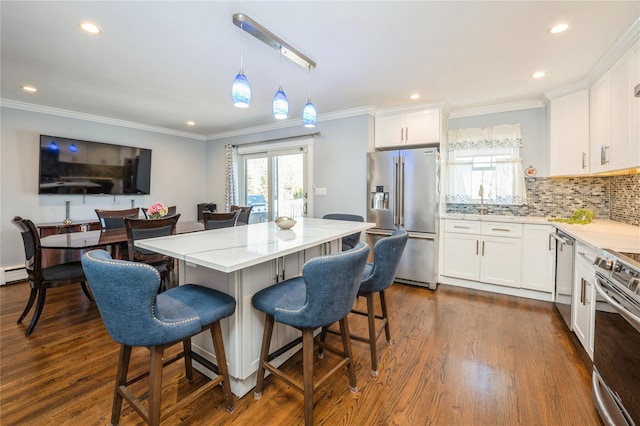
157	210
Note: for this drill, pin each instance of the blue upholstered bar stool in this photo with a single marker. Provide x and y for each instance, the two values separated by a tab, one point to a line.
376	278
350	241
134	314
324	294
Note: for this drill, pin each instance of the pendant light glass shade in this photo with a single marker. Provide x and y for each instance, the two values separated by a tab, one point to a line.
280	105
241	91
309	115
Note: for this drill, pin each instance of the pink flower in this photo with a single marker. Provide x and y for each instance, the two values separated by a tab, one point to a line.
157	210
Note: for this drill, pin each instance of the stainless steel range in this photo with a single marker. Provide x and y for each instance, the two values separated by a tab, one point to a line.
616	354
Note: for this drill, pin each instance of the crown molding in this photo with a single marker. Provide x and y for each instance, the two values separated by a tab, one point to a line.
567	89
630	36
493	109
381	112
353	112
8	103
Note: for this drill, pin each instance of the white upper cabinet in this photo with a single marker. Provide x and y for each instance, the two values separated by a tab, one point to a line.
569	134
407	129
613	125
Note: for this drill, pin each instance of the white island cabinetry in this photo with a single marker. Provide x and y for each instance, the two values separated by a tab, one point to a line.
240	261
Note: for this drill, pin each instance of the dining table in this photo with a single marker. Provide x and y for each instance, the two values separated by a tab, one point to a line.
103	237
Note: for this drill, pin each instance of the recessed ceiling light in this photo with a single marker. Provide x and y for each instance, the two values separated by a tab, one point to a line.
558	28
415	96
90	28
538	74
191	123
30	89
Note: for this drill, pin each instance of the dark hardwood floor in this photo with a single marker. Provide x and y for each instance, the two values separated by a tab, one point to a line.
459	357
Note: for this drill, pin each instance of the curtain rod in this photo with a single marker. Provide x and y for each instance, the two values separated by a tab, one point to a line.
311	135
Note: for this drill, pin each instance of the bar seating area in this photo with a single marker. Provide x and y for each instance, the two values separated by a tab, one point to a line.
323	293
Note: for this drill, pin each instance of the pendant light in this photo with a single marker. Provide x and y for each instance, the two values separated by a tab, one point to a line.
280	101
309	114
240	89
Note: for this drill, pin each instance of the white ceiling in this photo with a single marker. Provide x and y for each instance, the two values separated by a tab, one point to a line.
164	63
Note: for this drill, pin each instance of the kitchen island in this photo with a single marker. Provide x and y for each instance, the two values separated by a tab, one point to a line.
240	261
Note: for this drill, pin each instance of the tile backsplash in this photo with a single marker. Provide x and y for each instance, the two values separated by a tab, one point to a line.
610	197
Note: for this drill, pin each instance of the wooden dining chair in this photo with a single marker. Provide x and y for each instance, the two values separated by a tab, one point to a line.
111	219
245	212
114	219
220	220
140	229
40	279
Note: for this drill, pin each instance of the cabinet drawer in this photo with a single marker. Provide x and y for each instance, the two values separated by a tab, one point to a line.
585	256
462	226
500	229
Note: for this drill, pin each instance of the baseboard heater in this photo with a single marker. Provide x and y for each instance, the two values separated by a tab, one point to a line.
13	274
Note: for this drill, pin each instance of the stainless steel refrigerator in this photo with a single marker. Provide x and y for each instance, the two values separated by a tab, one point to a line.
403	194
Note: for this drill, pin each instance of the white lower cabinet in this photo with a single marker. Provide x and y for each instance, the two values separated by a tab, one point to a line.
483	251
538	255
500	260
509	257
584	297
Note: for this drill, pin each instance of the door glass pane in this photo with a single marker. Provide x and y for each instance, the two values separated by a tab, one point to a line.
289	185
257	188
275	183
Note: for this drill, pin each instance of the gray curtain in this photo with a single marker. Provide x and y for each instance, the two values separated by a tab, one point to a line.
231	177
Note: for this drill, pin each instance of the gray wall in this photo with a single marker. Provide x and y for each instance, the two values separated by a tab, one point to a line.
178	172
535	139
339	163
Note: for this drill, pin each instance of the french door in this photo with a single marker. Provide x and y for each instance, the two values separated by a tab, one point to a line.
275	182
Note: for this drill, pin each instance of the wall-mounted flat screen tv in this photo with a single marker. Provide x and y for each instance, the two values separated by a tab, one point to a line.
72	166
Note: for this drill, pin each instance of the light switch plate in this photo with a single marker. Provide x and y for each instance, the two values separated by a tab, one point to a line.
320	191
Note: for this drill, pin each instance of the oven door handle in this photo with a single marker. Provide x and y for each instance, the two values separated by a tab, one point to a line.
629	316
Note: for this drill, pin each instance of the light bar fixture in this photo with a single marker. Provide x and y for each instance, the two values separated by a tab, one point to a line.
267	37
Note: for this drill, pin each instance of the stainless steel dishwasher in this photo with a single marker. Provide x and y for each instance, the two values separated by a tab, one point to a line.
565	258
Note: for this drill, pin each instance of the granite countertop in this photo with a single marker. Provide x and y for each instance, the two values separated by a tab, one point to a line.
607	234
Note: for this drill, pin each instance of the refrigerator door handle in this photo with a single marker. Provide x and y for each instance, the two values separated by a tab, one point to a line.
401	193
396	214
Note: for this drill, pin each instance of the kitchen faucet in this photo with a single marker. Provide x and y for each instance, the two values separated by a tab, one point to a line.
481	208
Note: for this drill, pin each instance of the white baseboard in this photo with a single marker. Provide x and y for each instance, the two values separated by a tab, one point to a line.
12	274
494	288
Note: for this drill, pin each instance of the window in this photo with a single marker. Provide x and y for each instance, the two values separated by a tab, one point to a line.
484	166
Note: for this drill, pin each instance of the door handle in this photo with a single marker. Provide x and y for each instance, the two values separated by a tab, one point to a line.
582	290
483	248
603	154
584	164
